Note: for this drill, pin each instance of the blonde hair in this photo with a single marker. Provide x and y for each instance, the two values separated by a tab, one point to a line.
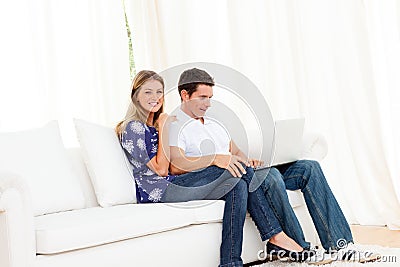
135	110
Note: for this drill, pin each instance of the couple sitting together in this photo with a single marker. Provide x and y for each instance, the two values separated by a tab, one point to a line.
169	166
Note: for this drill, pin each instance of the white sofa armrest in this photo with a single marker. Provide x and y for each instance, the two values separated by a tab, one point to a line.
314	147
17	232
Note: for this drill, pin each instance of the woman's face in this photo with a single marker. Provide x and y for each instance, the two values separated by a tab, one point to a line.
151	95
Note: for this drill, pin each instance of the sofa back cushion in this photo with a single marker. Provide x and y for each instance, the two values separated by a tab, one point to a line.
109	169
75	155
39	157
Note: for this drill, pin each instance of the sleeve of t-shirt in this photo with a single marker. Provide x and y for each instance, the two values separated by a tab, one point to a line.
133	141
176	138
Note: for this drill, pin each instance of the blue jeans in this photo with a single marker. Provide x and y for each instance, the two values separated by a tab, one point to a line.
325	212
216	183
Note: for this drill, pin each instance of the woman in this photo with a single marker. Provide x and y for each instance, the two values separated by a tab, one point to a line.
139	131
144	137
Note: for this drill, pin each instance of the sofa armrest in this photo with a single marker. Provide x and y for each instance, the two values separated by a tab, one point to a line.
314	147
17	231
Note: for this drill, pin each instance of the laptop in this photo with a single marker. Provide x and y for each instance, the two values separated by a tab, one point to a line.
288	141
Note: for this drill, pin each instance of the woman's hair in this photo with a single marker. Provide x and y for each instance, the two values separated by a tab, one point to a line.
135	110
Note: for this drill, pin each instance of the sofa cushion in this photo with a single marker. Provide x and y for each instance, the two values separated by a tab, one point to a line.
39	157
76	158
96	226
204	211
296	198
109	170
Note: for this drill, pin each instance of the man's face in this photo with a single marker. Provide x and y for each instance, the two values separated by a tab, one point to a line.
197	104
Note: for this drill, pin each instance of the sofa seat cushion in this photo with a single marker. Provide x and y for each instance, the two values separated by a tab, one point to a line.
296	198
65	231
203	211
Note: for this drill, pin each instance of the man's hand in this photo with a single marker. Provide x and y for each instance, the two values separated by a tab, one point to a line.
255	163
232	163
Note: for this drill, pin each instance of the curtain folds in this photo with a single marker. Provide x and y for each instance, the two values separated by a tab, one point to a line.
62	59
333	62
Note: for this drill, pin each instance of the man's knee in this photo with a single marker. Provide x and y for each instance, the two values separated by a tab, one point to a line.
274	179
308	164
309	168
311	172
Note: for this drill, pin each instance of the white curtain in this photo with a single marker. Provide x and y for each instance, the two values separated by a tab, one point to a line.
62	59
333	62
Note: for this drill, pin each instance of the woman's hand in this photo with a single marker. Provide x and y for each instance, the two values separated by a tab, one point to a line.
164	120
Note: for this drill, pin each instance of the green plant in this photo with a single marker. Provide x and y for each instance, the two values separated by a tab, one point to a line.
132	68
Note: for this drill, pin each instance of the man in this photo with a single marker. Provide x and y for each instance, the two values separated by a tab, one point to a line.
217	169
199	142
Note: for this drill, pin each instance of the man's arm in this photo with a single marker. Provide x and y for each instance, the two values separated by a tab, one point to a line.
181	164
236	151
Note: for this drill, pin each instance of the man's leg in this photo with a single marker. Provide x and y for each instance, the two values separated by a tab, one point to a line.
275	193
232	225
209	183
327	216
214	181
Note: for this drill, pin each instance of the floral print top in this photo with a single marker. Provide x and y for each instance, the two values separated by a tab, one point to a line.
140	143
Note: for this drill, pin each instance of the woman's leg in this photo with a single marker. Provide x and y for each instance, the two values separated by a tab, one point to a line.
260	211
214	182
266	220
274	190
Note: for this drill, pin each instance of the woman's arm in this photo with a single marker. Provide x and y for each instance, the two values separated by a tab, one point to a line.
160	162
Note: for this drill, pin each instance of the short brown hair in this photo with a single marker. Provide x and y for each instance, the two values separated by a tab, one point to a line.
190	79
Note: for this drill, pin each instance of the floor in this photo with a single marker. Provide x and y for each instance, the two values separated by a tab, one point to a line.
376	235
368	235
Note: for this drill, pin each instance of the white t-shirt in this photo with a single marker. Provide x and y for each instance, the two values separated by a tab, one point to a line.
198	139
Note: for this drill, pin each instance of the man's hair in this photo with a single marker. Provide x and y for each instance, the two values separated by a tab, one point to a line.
190	79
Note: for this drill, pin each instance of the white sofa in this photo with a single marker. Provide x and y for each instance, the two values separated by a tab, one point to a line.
181	234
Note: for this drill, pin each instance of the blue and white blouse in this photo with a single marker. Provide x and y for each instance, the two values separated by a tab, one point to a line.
140	143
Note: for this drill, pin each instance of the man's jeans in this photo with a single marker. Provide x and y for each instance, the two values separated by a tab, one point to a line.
216	183
328	218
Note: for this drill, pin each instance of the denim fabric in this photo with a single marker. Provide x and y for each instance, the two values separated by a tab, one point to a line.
325	212
208	183
259	208
216	183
